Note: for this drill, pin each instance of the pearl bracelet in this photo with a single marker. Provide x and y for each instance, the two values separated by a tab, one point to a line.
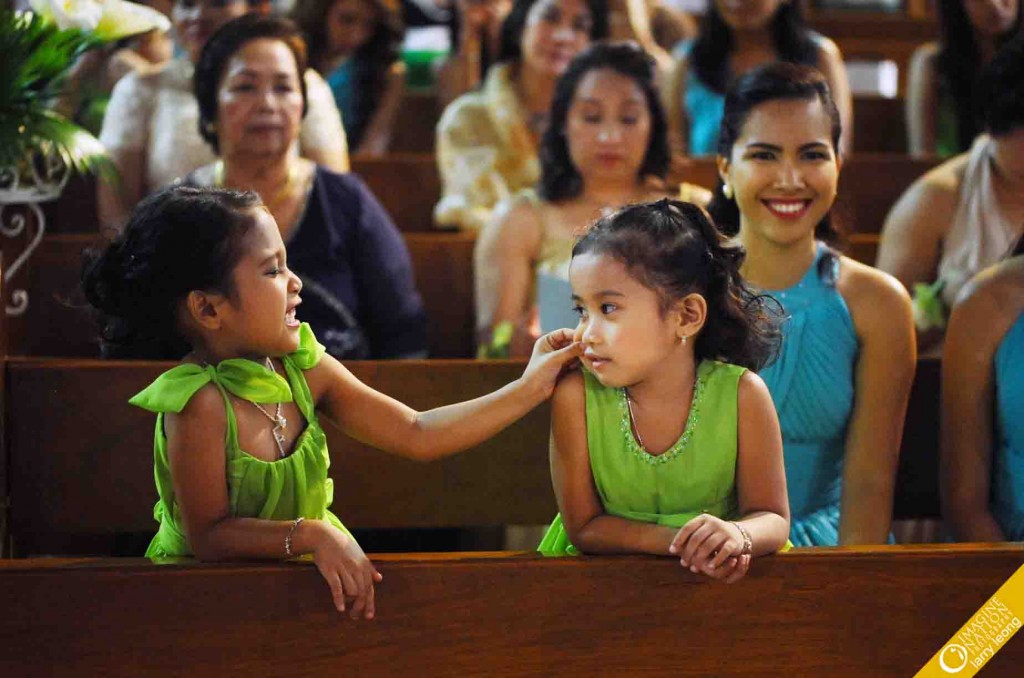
748	544
288	537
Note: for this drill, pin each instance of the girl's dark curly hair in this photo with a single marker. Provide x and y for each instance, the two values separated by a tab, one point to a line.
673	248
959	61
373	60
560	180
223	45
510	50
176	241
791	41
773	82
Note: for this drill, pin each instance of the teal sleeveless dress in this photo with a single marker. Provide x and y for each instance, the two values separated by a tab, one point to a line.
696	475
704	108
812	385
1008	463
286	489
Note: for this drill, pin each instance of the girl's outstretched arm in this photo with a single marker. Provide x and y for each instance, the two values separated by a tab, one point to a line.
195	452
716	547
385	423
590	529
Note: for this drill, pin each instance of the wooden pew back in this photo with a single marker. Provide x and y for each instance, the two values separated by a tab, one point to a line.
58	321
838	612
81	460
81	463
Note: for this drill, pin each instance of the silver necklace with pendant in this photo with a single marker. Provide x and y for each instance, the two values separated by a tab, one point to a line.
280	423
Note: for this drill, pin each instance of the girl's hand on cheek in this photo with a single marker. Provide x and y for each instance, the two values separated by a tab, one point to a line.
707	544
553	354
348	572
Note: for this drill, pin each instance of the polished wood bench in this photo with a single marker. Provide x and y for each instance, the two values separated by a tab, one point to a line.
836	612
58	321
80	467
408	186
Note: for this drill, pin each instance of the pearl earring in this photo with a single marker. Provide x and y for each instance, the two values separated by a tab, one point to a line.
727	191
682	340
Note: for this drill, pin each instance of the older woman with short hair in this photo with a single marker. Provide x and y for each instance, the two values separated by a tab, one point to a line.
358	290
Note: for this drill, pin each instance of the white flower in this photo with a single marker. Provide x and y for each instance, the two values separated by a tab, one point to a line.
107	20
121	19
82	14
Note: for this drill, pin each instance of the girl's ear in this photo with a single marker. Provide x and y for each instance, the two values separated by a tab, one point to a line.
205	309
692	312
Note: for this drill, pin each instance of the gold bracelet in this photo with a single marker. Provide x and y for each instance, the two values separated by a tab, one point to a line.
748	543
288	537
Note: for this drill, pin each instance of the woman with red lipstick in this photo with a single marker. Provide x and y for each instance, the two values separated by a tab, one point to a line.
240	457
360	295
606	147
668	442
150	126
487	140
735	37
842	381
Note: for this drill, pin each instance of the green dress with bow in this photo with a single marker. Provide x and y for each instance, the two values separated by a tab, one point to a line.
286	489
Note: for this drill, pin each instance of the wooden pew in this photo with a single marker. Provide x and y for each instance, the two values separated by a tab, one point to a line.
408	184
879	125
81	466
835	612
58	322
875	36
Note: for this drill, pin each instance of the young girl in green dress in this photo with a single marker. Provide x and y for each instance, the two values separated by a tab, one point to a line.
241	460
667	443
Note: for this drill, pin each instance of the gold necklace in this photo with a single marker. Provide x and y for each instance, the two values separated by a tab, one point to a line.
279	195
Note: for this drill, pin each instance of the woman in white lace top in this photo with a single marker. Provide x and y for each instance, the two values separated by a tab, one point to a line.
151	124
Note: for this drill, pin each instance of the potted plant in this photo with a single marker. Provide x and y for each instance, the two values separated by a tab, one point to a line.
39	148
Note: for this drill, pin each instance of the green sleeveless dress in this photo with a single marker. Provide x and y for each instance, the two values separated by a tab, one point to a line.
280	490
696	475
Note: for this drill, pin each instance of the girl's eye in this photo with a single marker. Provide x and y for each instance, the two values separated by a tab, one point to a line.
578	310
629	120
581	25
607	308
592	119
243	87
274	272
762	155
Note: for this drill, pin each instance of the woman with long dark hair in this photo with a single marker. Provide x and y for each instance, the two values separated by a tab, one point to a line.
842	380
606	146
736	37
355	45
941	94
487	140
